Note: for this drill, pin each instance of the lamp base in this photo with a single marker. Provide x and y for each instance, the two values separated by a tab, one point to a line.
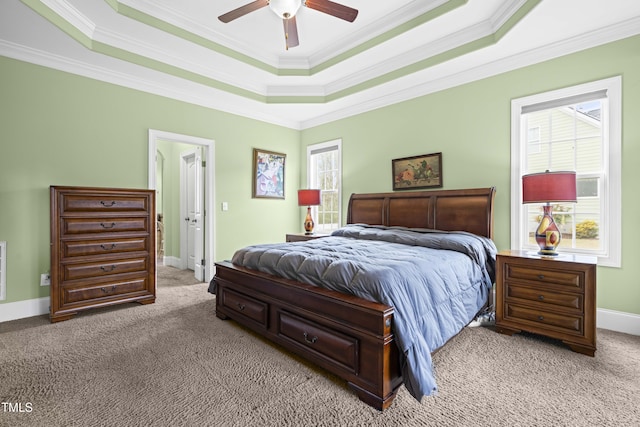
548	235
308	222
547	253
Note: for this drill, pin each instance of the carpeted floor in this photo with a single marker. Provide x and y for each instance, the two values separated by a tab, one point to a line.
173	363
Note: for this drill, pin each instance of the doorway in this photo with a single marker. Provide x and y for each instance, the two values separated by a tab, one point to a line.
189	207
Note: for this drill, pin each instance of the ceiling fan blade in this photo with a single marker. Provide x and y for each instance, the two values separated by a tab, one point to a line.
290	32
243	10
333	9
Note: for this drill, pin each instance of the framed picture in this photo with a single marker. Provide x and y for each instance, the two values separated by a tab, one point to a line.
268	174
410	173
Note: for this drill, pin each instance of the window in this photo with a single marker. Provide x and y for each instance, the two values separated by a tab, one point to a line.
324	171
576	129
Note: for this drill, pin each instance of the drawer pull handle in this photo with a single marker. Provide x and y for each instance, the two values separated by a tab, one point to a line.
107	226
540	317
541	297
310	341
240	306
107	248
107	290
108	204
107	269
541	276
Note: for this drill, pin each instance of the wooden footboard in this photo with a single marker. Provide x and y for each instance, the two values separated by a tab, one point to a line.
346	335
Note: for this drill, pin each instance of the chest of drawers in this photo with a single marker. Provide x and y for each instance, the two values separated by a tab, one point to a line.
102	248
555	297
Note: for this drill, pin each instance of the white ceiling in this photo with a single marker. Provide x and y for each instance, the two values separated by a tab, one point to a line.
393	51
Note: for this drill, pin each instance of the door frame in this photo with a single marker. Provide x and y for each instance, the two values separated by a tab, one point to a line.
209	174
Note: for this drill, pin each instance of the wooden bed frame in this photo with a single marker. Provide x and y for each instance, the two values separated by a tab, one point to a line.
346	335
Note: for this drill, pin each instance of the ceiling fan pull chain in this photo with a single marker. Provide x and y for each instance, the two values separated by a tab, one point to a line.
286	30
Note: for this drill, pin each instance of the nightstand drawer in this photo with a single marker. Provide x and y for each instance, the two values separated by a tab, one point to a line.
564	322
544	297
570	279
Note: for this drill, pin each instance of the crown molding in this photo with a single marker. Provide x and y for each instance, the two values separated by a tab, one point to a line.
178	19
414	88
72	15
162	85
403	89
185	65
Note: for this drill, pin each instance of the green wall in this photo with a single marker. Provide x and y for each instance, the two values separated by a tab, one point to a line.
62	129
470	125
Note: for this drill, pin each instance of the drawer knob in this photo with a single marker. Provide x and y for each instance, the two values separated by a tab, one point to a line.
107	290
108	204
107	226
108	248
240	306
107	269
540	317
541	297
541	276
310	341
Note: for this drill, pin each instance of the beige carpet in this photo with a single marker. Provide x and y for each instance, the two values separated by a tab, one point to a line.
173	363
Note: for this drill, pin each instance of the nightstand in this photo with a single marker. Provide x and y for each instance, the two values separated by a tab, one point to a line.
301	237
551	296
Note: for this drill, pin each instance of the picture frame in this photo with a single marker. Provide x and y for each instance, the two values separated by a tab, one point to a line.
412	173
268	174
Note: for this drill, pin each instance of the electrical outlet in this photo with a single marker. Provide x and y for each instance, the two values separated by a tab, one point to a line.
45	279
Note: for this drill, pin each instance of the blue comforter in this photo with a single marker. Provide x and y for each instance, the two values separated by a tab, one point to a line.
436	281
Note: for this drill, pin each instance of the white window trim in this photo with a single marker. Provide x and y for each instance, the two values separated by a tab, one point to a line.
320	146
613	164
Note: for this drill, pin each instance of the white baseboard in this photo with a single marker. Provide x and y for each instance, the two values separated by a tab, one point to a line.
22	309
172	261
618	321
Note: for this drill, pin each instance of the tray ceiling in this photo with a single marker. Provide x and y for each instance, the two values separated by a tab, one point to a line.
393	51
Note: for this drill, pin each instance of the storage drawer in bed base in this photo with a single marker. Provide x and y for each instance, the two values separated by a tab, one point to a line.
345	335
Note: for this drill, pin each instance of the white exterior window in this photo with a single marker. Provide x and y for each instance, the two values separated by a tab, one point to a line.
324	171
572	129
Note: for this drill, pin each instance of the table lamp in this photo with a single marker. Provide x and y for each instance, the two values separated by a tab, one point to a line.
308	198
549	187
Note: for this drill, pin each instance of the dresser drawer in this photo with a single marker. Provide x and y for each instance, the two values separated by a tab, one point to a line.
248	307
569	279
72	203
76	248
564	322
542	297
340	348
105	268
75	294
77	226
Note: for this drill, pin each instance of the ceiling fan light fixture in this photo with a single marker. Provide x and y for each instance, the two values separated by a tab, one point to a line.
285	8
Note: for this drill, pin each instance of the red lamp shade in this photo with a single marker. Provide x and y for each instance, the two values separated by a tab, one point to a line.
547	187
308	197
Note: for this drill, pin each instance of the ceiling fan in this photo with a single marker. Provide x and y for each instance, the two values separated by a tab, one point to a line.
287	9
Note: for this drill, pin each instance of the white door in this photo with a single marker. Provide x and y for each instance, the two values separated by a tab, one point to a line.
193	194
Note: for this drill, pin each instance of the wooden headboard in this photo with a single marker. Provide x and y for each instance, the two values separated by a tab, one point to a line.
449	210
